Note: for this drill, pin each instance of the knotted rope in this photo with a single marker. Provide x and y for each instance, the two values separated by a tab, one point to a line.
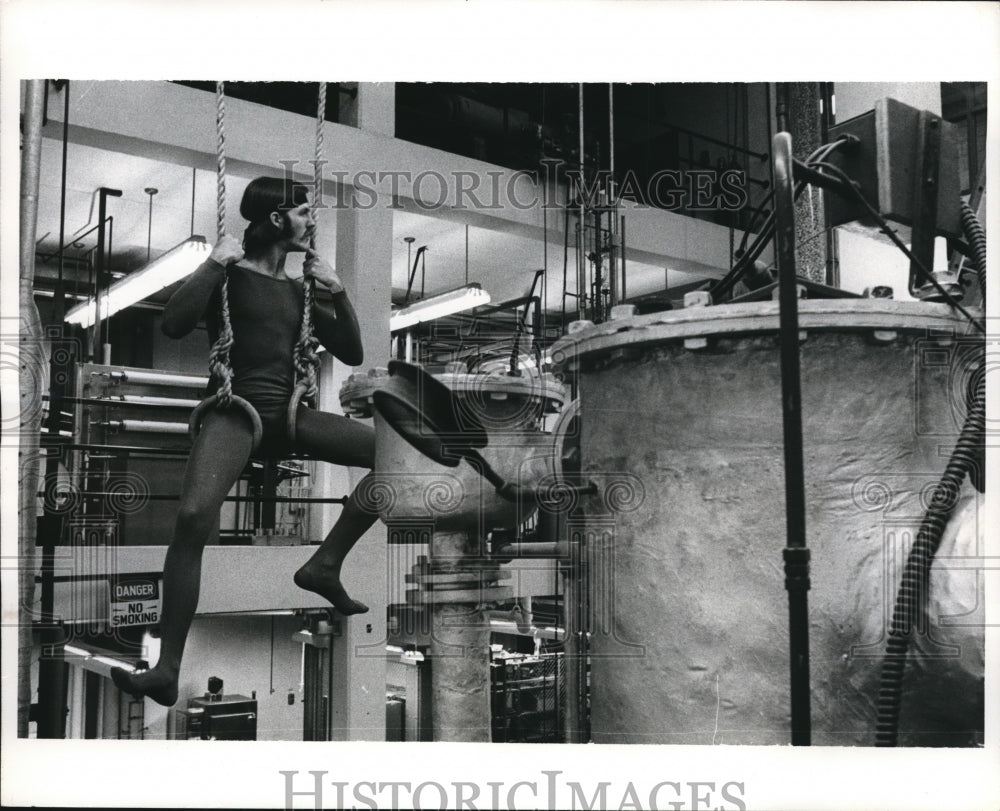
306	357
218	359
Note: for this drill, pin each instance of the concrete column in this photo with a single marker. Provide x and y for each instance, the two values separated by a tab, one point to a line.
804	124
460	659
364	261
364	235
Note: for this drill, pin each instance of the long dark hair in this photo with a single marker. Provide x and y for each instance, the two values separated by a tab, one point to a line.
262	196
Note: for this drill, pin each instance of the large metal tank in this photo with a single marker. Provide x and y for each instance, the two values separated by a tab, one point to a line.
687	611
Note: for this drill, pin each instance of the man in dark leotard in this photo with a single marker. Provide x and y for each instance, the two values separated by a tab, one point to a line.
266	314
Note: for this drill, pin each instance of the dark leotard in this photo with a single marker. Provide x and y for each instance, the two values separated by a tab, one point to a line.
266	316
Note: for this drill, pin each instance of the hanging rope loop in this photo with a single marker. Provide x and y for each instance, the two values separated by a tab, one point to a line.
306	355
218	360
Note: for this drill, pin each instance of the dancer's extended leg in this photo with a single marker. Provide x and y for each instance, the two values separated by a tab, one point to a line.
345	442
219	455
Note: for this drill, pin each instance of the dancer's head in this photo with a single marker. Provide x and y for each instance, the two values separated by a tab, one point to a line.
278	209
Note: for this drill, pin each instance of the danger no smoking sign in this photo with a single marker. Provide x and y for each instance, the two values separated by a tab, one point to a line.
134	601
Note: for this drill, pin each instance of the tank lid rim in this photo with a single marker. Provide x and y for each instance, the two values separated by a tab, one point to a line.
759	317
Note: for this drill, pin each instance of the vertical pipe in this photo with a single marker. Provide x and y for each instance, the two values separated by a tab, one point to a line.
102	215
194	184
32	365
99	271
60	302
460	669
796	554
581	251
598	270
572	634
612	200
624	276
50	668
58	371
540	317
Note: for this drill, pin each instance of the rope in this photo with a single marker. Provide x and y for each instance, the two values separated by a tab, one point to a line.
218	360
306	358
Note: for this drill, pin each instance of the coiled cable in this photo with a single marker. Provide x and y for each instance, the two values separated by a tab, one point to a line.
967	458
976	236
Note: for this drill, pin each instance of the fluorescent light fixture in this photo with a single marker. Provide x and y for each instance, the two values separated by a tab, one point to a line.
175	264
454	301
95	662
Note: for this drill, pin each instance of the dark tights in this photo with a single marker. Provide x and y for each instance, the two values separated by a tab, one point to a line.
218	457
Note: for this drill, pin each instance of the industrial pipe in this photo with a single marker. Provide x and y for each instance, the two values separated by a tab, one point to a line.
796	554
32	373
227	499
146	426
154	378
533	549
140	399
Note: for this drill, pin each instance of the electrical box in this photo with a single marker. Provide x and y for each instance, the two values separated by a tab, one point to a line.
886	164
218	717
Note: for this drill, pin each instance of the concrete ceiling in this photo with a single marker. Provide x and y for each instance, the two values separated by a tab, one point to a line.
185	203
501	258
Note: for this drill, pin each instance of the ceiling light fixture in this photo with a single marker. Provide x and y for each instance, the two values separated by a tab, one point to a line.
449	303
174	265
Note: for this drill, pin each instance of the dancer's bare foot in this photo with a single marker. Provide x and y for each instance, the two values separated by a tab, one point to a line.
324	580
157	684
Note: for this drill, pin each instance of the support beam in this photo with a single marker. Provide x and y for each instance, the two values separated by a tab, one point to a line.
259	138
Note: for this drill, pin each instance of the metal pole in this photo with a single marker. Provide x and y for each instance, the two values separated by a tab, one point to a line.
612	201
99	272
796	554
624	271
581	259
51	668
32	365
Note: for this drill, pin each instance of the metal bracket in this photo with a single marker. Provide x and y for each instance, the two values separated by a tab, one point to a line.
925	194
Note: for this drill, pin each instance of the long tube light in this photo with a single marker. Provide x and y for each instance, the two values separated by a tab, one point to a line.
177	263
454	301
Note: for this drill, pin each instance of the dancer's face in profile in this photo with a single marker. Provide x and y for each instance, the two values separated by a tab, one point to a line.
299	226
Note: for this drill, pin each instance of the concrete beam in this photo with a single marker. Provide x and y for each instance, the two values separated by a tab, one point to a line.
176	124
226	573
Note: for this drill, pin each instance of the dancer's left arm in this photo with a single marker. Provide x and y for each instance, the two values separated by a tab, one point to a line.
336	325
